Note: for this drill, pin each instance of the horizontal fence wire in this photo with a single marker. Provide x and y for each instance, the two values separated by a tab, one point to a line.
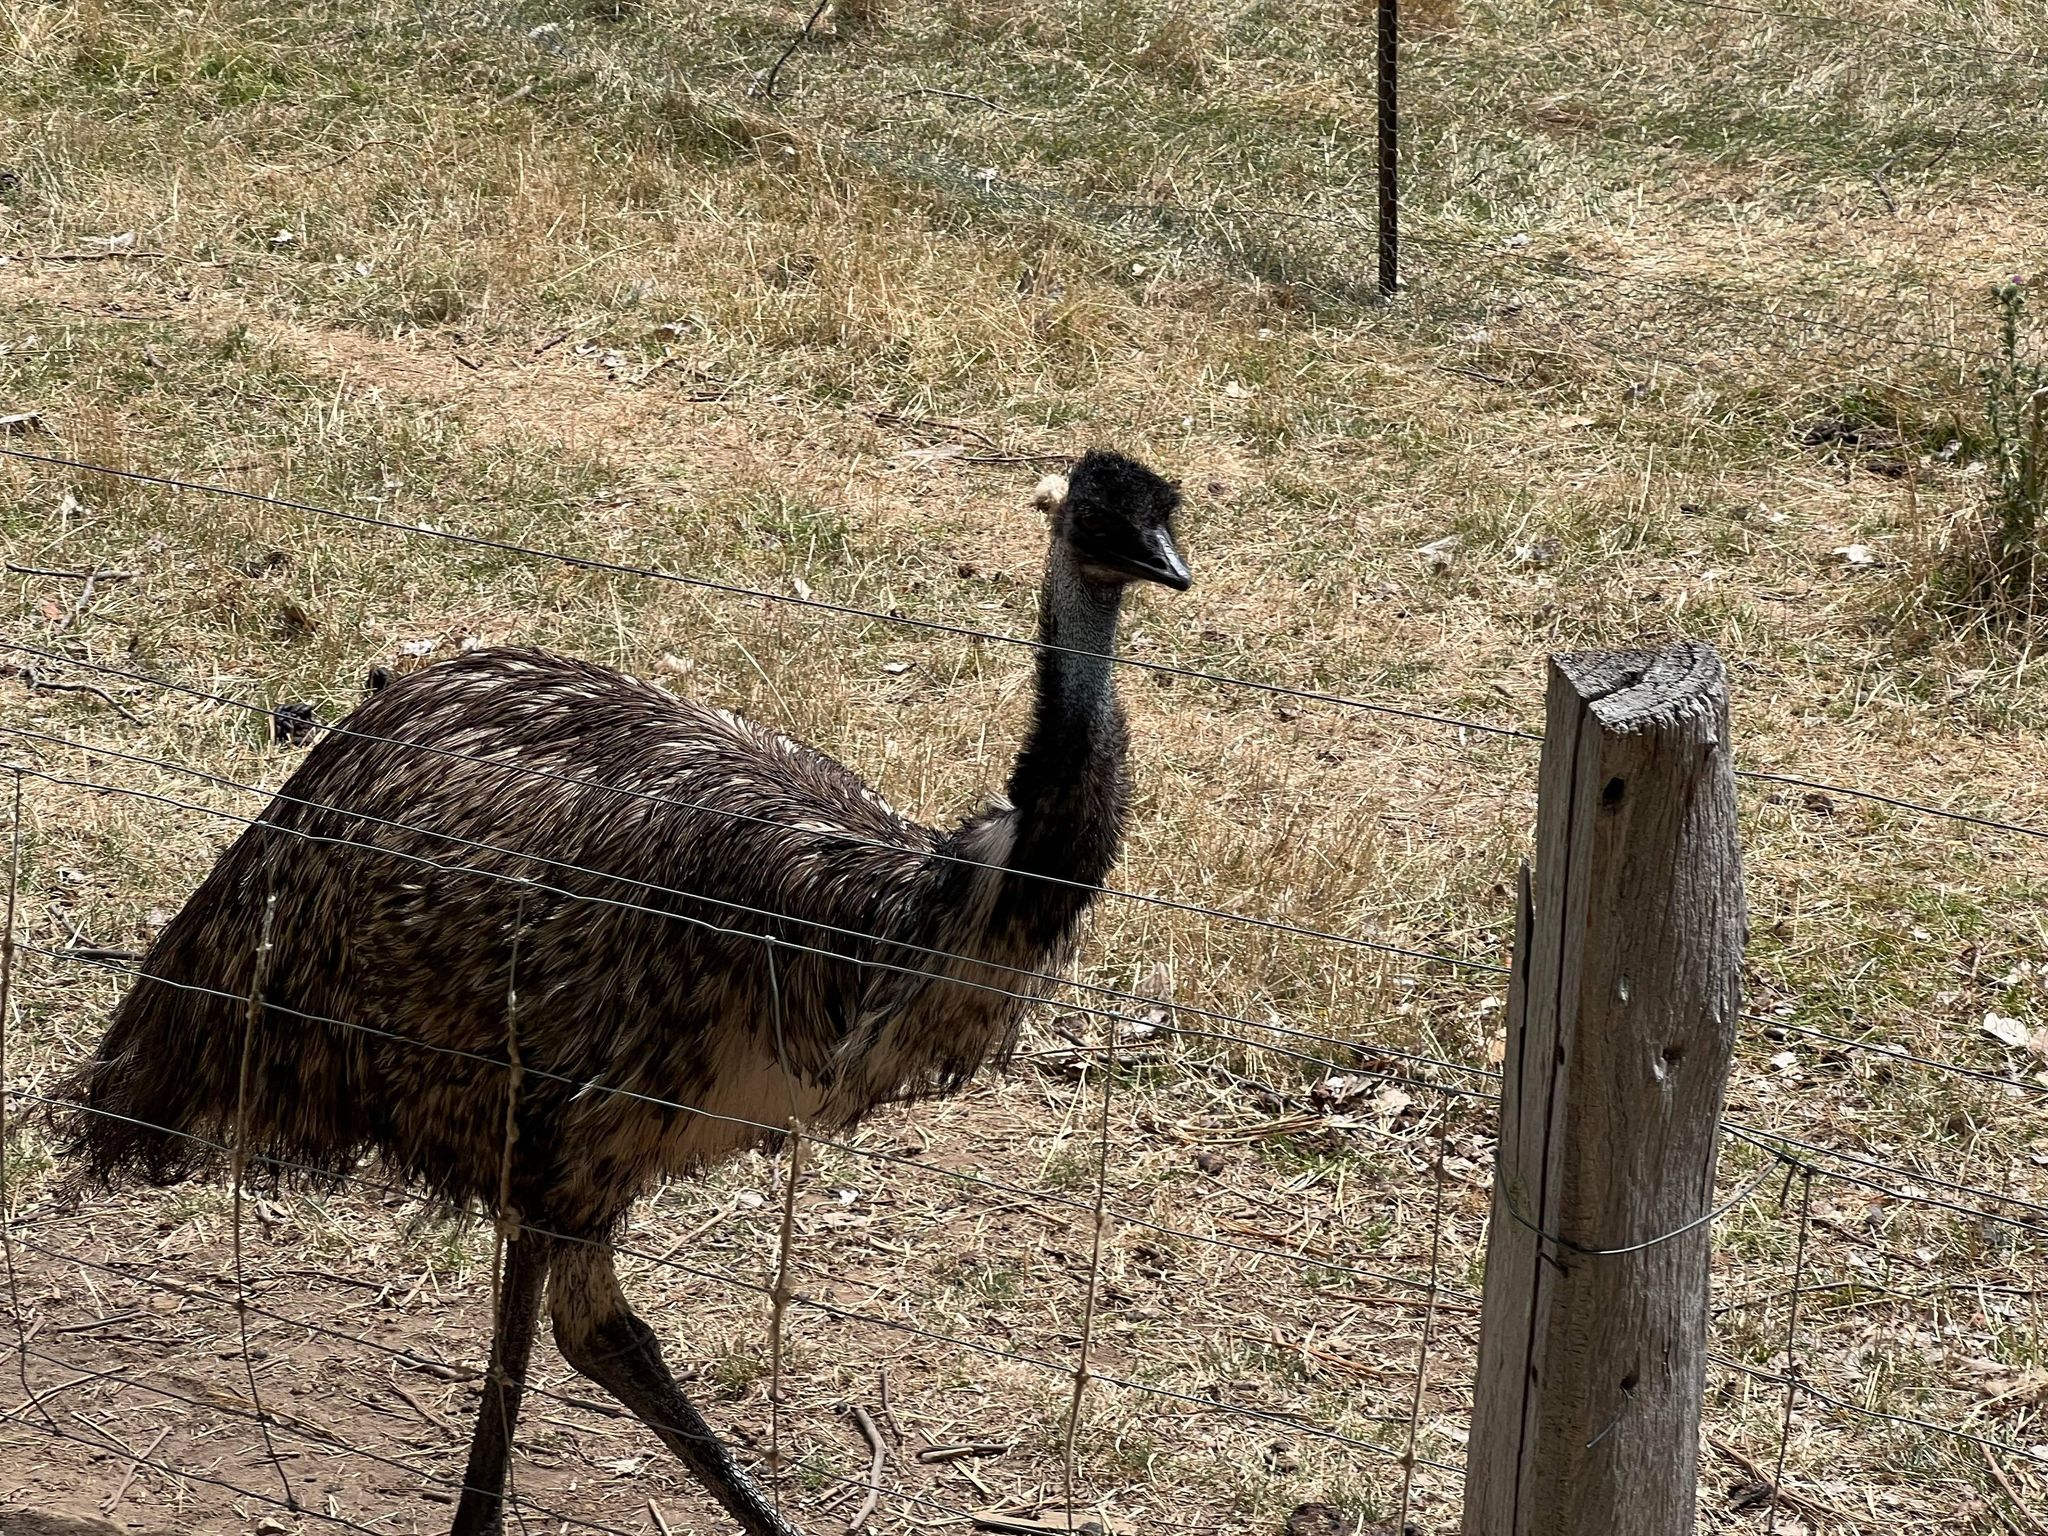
764	1128
1141	898
513	766
533	1389
1775	1142
830	1309
316	1435
731	589
844	610
1113	1017
773	941
1844	1405
1935	1291
1168	1006
1070	983
1780	1144
1015	1357
1202	1404
141	1458
1156	1002
1036	1362
1899	1053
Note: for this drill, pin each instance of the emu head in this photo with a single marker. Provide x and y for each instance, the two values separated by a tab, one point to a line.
1116	516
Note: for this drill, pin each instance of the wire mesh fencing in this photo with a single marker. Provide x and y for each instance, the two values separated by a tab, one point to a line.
1205	1301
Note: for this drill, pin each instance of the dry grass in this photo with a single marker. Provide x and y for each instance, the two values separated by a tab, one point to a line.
551	275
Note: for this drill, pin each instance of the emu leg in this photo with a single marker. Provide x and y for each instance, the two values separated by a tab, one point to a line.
481	1511
599	1335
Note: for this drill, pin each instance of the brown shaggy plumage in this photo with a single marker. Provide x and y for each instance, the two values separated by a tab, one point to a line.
401	875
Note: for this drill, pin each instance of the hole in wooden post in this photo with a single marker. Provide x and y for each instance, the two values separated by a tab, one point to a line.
1612	794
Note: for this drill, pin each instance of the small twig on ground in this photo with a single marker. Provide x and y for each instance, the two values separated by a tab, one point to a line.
980	1487
2020	1505
933	1455
93	1325
1024	1525
888	1412
660	1520
80	1416
440	1369
980	101
724	1214
1472	373
1954	138
424	1411
39	684
1767	1489
843	1494
117	253
76	943
60	573
766	89
342	158
134	1466
873	1437
929	424
91	578
85	595
38	1399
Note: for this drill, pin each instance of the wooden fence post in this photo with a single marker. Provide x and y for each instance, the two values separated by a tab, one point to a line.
1622	1013
1388	90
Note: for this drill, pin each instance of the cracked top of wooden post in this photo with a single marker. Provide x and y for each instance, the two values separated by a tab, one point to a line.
1642	690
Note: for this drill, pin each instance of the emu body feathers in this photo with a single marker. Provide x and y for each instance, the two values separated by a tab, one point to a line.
638	850
686	930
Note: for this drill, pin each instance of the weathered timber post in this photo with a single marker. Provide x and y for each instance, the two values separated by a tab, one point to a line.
1622	1011
1388	91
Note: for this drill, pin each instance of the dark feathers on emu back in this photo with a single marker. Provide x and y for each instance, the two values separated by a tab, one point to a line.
704	914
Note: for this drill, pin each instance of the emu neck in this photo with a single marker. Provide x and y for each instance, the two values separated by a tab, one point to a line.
1068	784
1079	617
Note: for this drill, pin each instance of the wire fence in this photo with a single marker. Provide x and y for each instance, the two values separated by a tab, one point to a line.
1452	1082
1395	1413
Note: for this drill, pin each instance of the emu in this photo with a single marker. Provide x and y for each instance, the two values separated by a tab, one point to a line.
710	928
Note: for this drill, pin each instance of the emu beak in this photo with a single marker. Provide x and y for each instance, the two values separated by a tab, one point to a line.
1163	562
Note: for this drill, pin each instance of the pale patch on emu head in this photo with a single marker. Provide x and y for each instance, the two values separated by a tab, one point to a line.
1050	494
